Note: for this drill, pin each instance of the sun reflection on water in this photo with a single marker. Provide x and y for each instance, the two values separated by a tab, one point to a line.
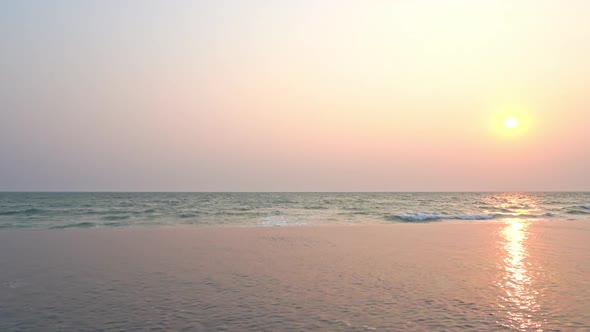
518	298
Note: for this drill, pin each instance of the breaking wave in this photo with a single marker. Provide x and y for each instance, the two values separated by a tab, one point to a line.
413	217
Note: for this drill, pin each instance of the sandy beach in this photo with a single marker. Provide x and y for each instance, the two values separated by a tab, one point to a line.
412	277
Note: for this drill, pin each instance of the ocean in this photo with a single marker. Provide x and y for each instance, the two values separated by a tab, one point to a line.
93	210
294	262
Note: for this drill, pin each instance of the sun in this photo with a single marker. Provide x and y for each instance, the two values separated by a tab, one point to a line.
511	120
511	123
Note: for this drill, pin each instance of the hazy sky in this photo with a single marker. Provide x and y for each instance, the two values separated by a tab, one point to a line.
294	95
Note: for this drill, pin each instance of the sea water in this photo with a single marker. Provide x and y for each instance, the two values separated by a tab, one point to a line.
375	261
88	210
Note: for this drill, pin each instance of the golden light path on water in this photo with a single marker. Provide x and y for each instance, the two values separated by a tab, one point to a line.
518	299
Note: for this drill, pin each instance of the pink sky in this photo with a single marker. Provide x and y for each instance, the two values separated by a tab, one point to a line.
294	96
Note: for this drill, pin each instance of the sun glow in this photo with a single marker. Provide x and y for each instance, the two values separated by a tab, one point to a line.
511	121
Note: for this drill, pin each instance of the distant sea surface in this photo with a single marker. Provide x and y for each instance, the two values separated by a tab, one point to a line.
90	210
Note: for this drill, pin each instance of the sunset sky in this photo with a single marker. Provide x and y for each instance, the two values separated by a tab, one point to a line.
294	95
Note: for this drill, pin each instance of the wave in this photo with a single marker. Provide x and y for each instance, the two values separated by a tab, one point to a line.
10	213
30	211
577	212
77	225
422	217
188	215
114	224
587	207
102	212
111	218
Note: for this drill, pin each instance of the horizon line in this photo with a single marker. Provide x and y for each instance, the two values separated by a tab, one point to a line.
293	192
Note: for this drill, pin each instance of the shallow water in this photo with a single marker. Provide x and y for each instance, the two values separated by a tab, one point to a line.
88	210
509	275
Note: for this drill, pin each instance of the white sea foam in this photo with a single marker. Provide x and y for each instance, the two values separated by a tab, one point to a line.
281	220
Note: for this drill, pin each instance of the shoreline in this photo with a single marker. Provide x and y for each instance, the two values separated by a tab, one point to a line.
301	225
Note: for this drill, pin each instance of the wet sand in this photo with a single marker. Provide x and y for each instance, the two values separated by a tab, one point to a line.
511	275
